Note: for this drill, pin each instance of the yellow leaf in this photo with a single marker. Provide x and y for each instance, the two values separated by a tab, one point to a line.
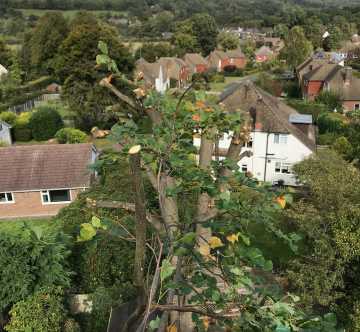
206	323
204	250
215	242
172	328
233	238
281	201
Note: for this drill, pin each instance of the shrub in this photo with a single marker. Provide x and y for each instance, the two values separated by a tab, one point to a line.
45	122
343	147
330	122
33	259
233	71
41	312
331	100
70	136
22	131
3	144
8	117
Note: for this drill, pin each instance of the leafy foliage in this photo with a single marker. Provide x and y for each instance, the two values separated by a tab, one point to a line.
45	122
70	136
33	259
42	311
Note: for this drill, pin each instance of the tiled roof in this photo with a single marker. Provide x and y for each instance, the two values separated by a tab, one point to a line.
269	111
47	166
194	59
264	51
235	53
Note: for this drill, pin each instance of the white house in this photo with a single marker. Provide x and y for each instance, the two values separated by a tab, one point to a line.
154	75
280	136
5	133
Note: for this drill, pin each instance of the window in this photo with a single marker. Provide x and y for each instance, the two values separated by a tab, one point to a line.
280	139
6	198
55	196
356	107
284	168
244	168
248	144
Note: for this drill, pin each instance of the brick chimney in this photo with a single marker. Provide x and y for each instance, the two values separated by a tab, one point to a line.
347	75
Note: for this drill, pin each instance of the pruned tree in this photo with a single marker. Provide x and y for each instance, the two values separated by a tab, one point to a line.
207	269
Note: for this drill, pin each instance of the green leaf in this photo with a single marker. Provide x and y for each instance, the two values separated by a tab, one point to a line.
268	266
166	269
282	328
96	222
245	239
38	231
188	239
331	319
102	59
103	47
154	324
87	232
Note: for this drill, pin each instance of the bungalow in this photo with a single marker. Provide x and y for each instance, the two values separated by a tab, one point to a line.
39	180
5	133
335	78
196	63
280	137
176	69
218	60
237	58
153	75
263	54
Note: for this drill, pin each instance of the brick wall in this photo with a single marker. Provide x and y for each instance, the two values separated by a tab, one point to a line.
239	62
201	68
350	105
313	89
29	204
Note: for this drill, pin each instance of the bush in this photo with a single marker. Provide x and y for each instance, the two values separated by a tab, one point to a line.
21	130
45	122
33	260
8	117
70	136
331	100
331	123
41	312
233	71
343	147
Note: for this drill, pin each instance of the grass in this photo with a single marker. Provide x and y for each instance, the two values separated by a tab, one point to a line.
16	225
219	87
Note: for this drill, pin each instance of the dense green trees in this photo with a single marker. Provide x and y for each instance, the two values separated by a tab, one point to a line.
152	51
75	67
196	34
297	47
327	217
44	123
228	41
45	41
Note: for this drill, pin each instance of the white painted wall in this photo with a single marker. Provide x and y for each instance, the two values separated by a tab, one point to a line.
291	152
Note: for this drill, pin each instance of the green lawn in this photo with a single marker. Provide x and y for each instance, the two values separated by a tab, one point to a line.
219	87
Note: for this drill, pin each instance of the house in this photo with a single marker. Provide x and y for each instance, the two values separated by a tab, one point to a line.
196	63
177	70
218	60
237	58
263	54
3	72
335	78
53	88
39	180
280	137
5	133
153	75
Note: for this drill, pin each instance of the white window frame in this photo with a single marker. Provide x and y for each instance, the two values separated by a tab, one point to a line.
283	166
6	193
244	168
280	139
47	193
